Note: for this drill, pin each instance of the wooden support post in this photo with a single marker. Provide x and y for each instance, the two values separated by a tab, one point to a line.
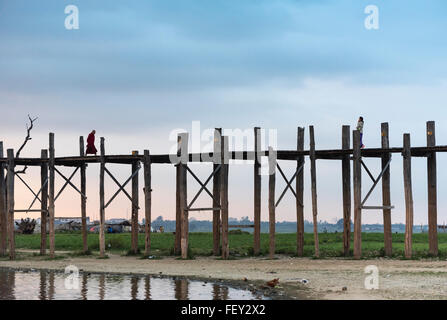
44	202
147	201
51	207
346	177
216	193
313	175
135	202
432	191
357	171
224	196
10	199
272	218
257	192
3	211
178	211
102	241
83	199
300	196
183	195
408	196
386	194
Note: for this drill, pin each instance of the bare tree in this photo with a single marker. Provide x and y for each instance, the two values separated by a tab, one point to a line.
27	138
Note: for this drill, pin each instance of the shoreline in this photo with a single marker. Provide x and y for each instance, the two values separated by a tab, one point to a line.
338	279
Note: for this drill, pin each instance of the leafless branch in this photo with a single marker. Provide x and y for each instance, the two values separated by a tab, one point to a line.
28	134
27	138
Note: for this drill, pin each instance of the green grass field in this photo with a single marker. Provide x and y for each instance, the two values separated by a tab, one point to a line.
241	244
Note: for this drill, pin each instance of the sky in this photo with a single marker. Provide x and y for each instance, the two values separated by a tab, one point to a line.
140	71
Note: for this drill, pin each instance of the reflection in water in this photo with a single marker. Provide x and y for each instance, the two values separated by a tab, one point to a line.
102	286
7	283
181	289
45	285
147	287
84	289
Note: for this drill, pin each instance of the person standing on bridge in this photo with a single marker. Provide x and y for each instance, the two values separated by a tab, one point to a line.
360	129
91	149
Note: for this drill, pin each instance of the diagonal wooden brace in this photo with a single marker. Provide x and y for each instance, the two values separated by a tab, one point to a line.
66	183
121	187
289	183
203	185
376	181
69	182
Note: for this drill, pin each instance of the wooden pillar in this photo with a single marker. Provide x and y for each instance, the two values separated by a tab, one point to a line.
216	193
44	202
135	202
10	199
102	241
178	212
83	198
357	171
346	177
408	196
257	192
386	194
147	201
183	194
300	196
313	175
224	196
51	207
3	211
432	191
272	218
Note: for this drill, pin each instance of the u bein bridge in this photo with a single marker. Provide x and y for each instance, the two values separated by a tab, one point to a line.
49	164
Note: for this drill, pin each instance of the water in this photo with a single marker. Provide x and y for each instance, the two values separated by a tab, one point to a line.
46	285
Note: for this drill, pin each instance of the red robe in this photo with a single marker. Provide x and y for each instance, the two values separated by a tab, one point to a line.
91	149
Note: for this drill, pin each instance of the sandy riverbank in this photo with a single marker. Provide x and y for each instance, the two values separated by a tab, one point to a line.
327	278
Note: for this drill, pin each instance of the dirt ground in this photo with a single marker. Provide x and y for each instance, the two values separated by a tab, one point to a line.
323	279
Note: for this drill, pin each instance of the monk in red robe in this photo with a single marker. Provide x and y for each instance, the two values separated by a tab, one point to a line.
91	149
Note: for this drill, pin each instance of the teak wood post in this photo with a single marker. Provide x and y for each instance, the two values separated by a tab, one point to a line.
224	196
257	192
44	202
83	198
102	241
300	195
313	176
216	192
386	194
3	211
178	213
135	203
272	183
432	191
183	194
147	201
408	196
10	199
51	207
346	178
357	171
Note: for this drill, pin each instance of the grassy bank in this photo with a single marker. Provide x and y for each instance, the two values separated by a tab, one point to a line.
240	244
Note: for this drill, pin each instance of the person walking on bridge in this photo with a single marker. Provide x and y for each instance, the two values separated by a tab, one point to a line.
360	129
91	149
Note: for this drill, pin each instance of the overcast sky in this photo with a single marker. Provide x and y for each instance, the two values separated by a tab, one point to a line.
138	70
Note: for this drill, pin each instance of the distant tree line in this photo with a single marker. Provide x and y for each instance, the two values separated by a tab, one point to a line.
281	227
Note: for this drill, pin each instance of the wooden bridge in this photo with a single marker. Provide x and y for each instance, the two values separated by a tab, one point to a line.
49	164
